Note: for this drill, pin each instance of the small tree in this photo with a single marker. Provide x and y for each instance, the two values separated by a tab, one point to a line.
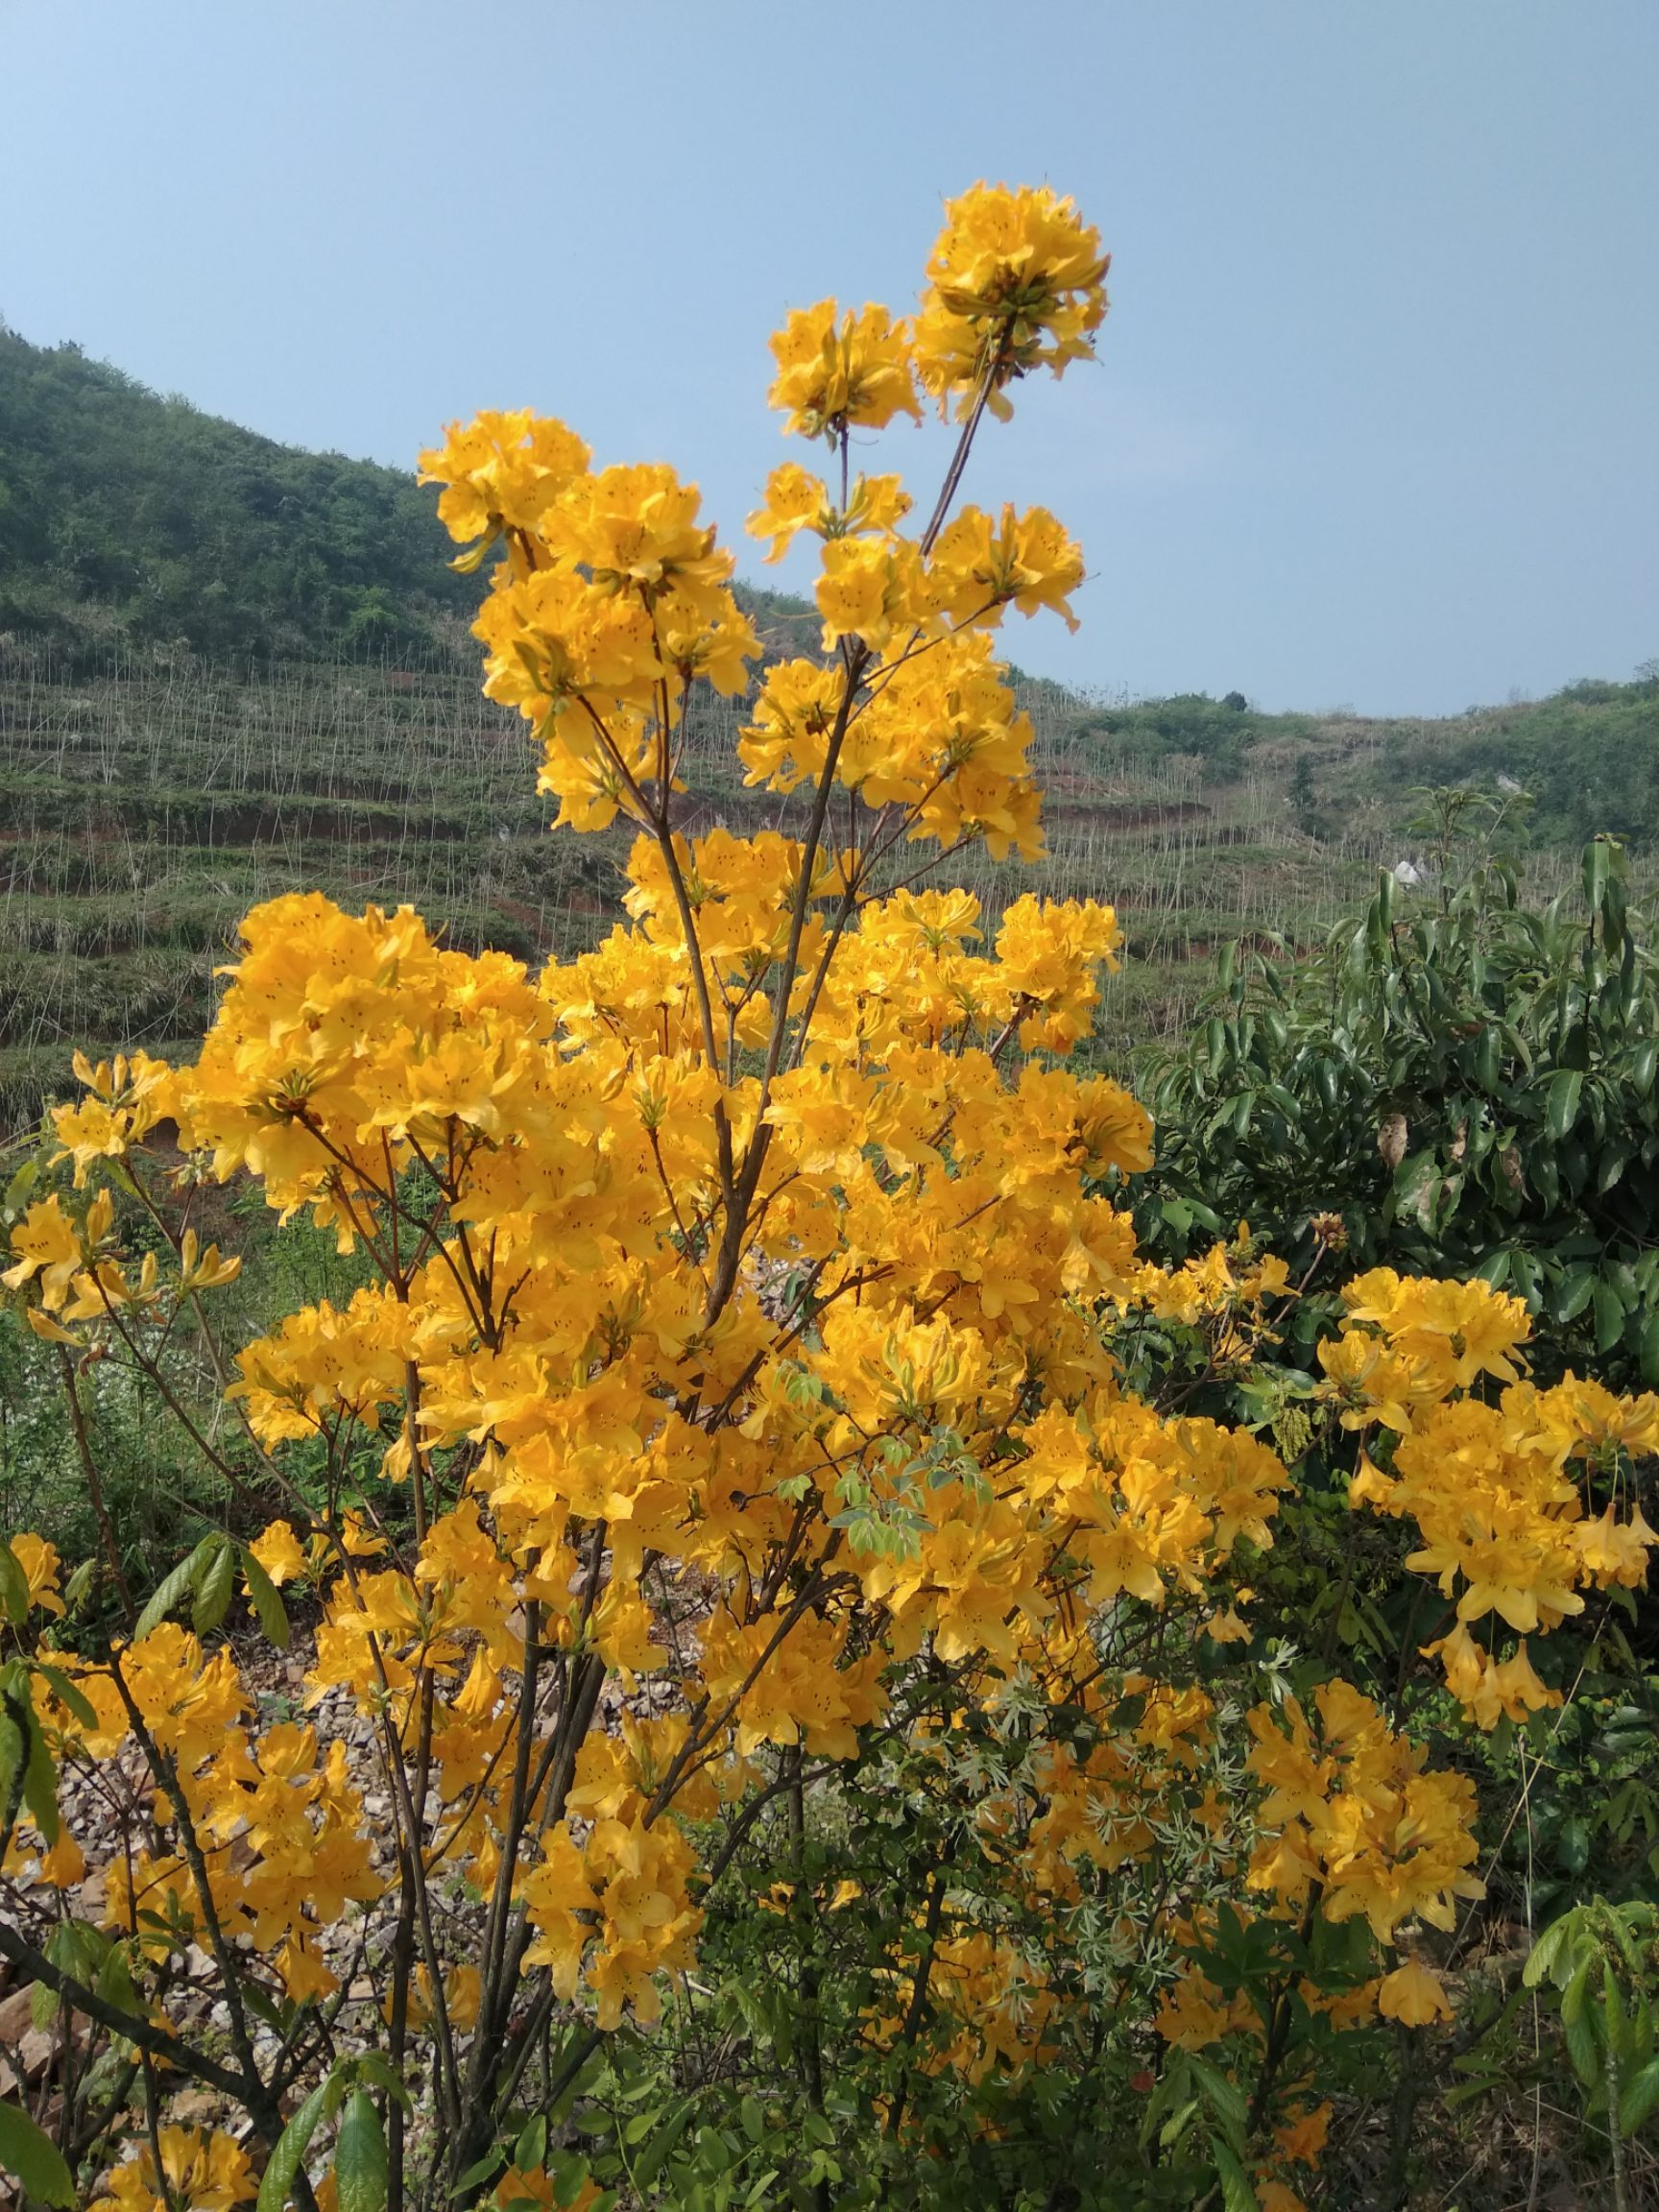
769	1565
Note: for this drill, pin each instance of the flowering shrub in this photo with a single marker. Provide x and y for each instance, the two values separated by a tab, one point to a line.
774	1715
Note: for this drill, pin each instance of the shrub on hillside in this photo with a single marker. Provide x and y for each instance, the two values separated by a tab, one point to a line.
758	1660
1463	1081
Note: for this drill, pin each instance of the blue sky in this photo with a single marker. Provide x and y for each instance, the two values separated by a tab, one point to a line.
1376	419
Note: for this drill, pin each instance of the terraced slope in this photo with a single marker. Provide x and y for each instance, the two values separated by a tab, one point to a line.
141	815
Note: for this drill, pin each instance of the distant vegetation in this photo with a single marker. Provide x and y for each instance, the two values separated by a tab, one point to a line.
132	520
228	668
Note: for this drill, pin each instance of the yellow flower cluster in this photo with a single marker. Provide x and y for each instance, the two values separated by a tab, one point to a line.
842	372
1016	281
202	2171
77	1278
1355	1811
273	1810
745	1382
988	1999
1504	1496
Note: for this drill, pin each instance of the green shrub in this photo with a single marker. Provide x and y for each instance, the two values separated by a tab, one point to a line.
1468	1083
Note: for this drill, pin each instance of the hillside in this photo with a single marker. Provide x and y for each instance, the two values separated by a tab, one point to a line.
228	668
135	521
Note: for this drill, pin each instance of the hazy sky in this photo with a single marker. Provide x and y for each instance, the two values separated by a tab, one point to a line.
1376	419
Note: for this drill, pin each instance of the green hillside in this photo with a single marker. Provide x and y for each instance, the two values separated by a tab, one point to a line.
229	669
135	521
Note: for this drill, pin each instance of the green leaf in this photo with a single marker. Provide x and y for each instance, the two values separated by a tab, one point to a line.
33	2158
1574	2024
19	1189
40	1774
1225	2098
1489	1057
267	1601
361	2166
1237	2194
292	2145
171	1591
1609	1310
1638	2099
652	2159
481	2170
66	1694
1543	1954
1561	1102
14	1585
1573	1845
1577	1288
381	2074
1594	873
216	1590
79	1583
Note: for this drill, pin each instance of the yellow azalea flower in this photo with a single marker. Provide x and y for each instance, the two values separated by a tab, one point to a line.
1300	2137
1351	1804
795	501
519	2190
49	1245
1016	281
871	589
979	568
1227	1629
205	2172
1413	1994
1193	2013
38	1560
1273	2196
839	372
305	1974
501	471
278	1550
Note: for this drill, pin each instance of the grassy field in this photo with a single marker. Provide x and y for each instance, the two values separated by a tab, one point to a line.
144	811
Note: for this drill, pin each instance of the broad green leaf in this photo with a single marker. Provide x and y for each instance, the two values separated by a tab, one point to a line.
66	1694
14	1585
1561	1102
480	2171
173	1587
1575	2025
361	2165
1225	2098
1576	1289
1649	1355
1609	1310
216	1590
33	2158
1638	2099
39	1772
267	1601
285	2160
380	2074
652	2159
1237	2194
1543	1954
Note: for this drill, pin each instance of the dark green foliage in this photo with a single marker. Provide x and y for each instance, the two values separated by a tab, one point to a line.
129	519
1589	757
1468	1082
1304	796
1219	732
